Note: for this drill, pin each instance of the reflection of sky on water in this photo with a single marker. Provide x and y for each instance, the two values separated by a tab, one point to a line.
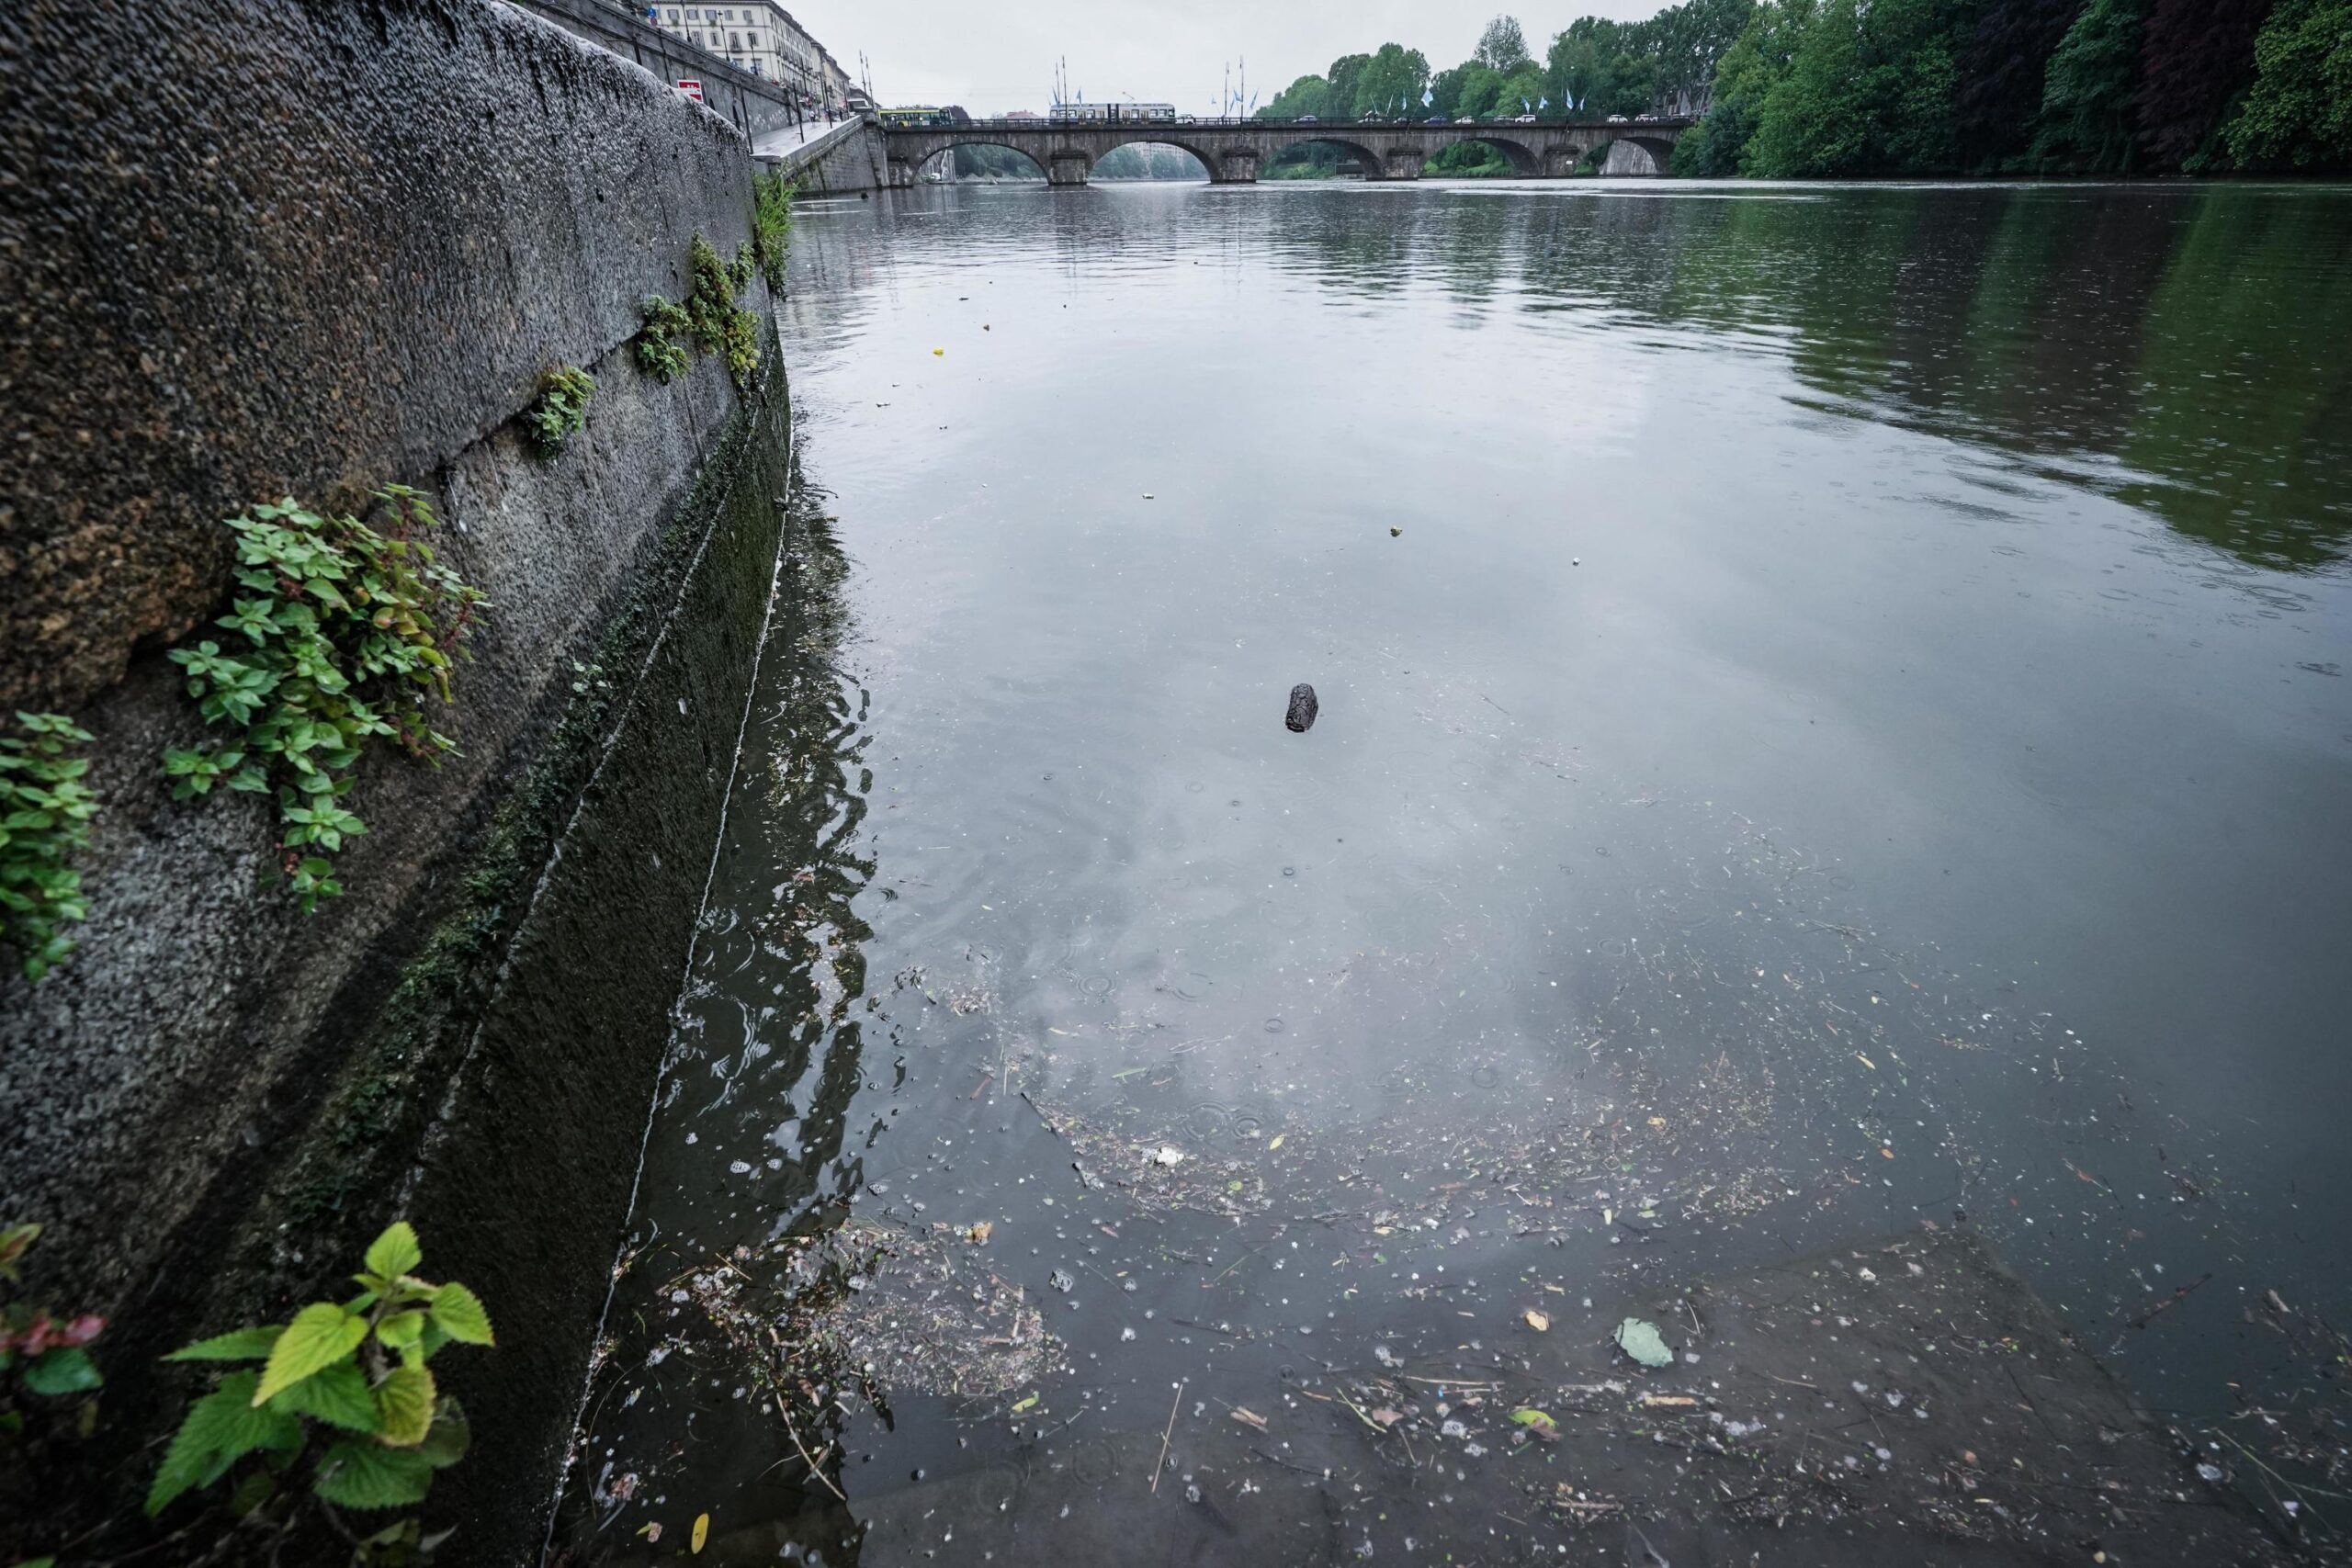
1845	735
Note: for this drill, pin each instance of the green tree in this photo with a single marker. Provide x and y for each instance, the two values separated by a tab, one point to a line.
1307	95
2196	62
1502	46
1757	62
1391	83
1345	75
2298	113
1868	92
1466	92
2085	120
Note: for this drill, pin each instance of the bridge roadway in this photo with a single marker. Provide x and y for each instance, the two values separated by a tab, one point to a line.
1234	151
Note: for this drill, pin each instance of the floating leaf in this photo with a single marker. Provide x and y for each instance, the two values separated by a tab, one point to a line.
1276	1143
1643	1342
1024	1404
702	1531
1536	1321
1538	1422
321	1335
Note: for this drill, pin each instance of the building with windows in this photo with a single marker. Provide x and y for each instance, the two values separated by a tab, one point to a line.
763	39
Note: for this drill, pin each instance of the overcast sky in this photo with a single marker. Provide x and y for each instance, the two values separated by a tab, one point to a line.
993	55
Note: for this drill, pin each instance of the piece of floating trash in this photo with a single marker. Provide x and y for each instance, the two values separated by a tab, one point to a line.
1169	1157
939	351
1147	495
1536	1321
1395	533
1643	1342
1303	707
1575	560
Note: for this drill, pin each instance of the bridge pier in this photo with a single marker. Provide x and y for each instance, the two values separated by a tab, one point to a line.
1238	167
1066	166
1403	163
904	172
1561	161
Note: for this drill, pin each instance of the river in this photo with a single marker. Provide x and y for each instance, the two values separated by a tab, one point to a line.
1832	727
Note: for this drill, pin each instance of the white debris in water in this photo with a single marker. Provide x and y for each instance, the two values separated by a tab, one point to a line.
1170	1157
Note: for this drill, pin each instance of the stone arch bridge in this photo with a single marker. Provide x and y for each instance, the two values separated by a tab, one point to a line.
1233	151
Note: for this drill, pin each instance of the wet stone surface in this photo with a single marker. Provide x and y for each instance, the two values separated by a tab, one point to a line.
1102	1126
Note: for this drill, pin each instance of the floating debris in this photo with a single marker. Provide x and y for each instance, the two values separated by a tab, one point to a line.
1642	1341
1303	708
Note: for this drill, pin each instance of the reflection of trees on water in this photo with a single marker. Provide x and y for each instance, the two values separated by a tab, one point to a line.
2180	349
766	1055
812	742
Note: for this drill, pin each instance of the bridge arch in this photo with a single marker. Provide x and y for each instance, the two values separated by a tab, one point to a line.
1524	161
945	154
1374	166
1207	160
1659	150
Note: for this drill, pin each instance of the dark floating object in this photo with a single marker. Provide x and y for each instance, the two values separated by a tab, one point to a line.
1301	717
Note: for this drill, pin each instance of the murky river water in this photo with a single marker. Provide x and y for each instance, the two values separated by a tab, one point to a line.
1832	727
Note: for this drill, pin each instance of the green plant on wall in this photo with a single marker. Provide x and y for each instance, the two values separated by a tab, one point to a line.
658	354
355	1374
45	811
560	410
343	632
41	1352
771	225
714	320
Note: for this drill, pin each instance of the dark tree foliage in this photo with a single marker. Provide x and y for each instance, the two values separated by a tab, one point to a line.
2000	68
1345	76
2084	126
2298	113
2197	58
1846	88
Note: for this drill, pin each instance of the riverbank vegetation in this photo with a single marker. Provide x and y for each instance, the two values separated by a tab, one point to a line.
1845	88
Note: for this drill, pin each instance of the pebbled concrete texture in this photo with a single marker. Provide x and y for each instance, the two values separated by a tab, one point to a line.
255	246
251	248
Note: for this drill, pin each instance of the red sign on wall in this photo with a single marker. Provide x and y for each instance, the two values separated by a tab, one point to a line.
692	87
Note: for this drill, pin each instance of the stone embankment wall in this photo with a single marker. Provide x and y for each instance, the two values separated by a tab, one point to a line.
256	248
849	158
752	104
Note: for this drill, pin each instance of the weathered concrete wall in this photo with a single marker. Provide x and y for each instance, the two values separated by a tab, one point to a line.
752	104
261	247
848	158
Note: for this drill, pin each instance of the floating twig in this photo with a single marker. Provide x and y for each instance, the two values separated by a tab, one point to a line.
1174	1405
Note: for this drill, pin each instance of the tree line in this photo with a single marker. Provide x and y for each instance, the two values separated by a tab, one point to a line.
1842	88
